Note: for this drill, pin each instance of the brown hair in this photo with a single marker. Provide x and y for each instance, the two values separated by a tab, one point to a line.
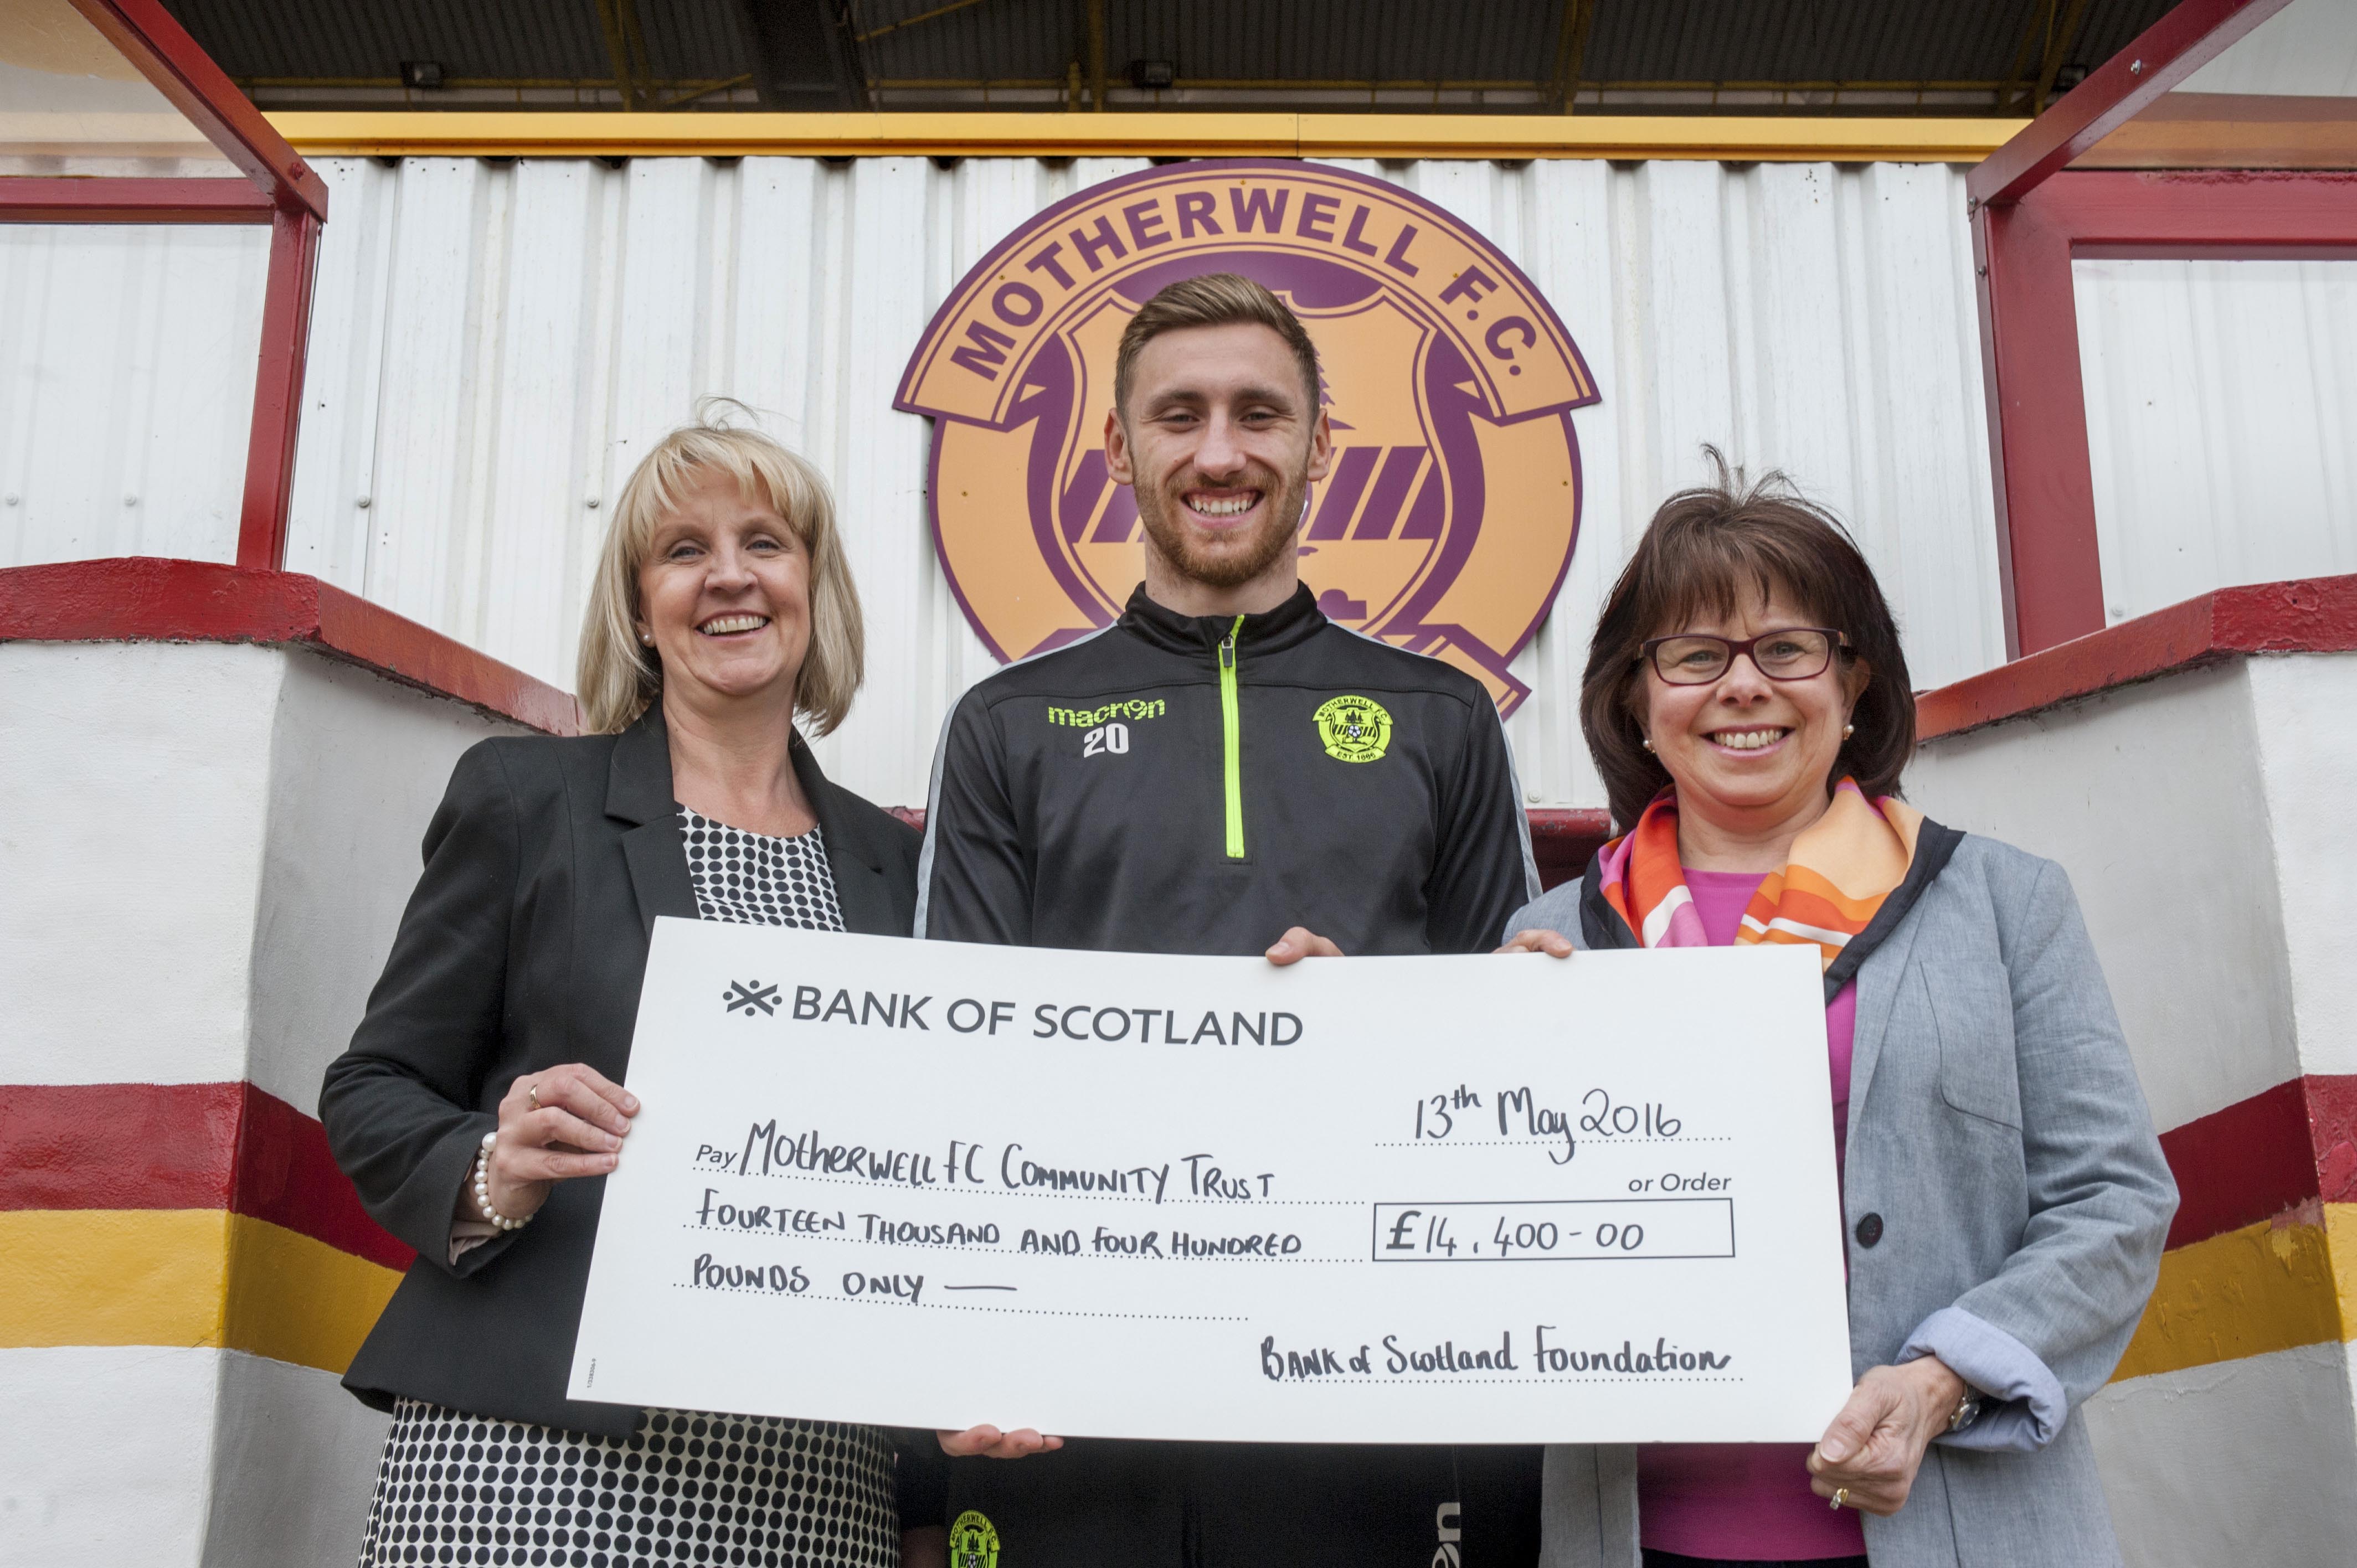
1214	299
1711	548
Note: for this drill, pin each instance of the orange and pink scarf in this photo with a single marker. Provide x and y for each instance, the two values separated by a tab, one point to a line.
1843	867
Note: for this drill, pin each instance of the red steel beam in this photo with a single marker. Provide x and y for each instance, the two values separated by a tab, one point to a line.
54	199
139	599
2049	573
2193	34
278	390
2307	615
2049	570
144	33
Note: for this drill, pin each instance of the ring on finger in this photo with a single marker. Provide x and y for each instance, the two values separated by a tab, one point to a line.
1841	1496
532	1091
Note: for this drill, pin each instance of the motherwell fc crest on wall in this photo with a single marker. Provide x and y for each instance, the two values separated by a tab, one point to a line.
1448	521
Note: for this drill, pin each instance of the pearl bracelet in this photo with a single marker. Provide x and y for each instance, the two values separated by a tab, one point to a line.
483	1189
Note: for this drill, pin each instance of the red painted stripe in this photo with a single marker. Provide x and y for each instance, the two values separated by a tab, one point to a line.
2314	615
188	1145
230	1145
145	599
2259	1156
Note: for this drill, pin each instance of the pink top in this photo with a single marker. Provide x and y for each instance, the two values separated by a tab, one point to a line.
1749	1501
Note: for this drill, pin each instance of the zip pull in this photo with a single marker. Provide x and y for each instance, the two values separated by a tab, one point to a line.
1232	740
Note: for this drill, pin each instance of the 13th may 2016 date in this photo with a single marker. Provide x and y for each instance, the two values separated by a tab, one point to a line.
1440	1116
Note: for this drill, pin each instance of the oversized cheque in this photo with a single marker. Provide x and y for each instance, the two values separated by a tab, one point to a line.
1414	1199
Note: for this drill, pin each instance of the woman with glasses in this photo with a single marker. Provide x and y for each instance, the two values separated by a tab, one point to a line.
2004	1196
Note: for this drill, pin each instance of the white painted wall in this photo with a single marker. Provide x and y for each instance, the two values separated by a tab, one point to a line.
357	765
156	1456
106	1455
207	849
209	846
2308	758
2202	818
2152	797
295	1461
134	780
2248	1463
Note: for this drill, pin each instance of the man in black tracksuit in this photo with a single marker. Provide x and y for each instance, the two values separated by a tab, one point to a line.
1224	770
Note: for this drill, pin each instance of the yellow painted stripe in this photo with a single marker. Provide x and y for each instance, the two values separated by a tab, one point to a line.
296	1299
1743	138
2265	1287
184	1277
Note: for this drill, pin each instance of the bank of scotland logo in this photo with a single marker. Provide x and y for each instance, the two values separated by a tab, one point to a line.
1449	520
749	994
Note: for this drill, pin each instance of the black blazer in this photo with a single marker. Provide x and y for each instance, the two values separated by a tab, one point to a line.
522	949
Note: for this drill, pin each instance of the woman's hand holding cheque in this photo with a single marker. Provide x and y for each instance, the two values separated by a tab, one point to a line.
556	1125
1871	1452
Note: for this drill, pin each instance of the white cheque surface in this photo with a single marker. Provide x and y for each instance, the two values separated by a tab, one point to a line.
1389	1200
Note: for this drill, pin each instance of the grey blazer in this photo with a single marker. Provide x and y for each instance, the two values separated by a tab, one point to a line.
2006	1202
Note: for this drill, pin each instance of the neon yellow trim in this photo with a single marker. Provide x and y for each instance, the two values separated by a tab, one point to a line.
1737	139
1232	736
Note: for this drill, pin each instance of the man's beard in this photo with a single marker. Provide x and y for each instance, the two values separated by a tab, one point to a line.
1229	563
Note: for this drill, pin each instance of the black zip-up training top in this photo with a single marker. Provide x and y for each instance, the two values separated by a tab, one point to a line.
1192	784
1186	784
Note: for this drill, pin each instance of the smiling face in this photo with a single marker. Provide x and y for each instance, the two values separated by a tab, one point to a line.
1746	752
1219	440
724	592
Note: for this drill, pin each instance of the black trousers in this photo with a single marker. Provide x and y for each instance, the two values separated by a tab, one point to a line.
1246	1505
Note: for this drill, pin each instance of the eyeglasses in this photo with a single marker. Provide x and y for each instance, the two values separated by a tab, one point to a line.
1791	653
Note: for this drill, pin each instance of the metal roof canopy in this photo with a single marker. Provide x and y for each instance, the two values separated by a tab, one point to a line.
279	189
2032	213
2000	56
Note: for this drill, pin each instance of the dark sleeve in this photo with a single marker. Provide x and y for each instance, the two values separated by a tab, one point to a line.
396	1104
1482	870
921	1477
975	882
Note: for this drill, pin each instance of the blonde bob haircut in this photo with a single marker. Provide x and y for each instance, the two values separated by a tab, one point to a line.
619	676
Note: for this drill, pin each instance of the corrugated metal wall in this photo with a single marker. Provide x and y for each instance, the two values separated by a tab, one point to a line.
127	358
2222	423
495	343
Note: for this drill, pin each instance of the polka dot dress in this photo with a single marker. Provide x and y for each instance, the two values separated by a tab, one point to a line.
691	1488
755	880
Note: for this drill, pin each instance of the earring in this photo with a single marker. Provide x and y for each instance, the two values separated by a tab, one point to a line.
1848	730
647	638
1648	743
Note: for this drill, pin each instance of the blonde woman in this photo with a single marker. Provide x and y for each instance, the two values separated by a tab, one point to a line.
482	1103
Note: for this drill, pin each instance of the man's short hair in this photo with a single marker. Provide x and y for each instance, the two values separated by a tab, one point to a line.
1214	299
